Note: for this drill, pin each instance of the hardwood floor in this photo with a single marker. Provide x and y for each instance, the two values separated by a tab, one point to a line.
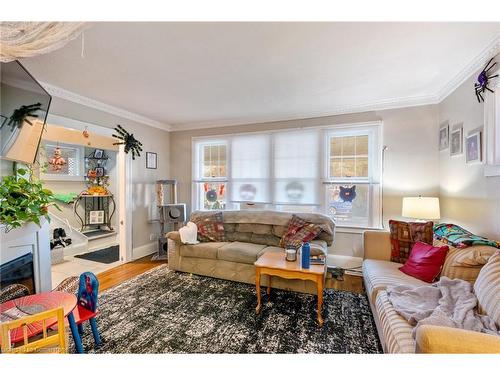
124	272
121	273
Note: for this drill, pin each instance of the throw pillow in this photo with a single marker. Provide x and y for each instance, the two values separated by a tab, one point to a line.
210	227
404	235
425	262
299	231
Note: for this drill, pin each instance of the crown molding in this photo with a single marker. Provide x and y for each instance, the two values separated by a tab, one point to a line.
95	104
473	66
392	103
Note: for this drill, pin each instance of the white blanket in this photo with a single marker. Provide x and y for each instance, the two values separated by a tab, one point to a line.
189	233
449	303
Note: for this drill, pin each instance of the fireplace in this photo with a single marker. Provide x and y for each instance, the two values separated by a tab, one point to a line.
19	271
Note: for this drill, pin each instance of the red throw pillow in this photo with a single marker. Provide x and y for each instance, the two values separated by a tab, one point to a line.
425	262
404	235
299	231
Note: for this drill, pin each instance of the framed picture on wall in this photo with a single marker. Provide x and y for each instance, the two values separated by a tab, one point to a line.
444	136
473	148
456	140
151	160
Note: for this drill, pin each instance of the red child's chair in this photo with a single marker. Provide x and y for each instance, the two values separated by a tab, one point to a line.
86	308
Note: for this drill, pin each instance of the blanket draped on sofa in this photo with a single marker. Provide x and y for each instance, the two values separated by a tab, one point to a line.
448	302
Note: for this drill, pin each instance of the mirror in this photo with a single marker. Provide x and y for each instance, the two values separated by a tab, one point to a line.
24	105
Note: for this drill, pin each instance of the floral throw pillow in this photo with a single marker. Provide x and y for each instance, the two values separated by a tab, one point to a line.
404	235
299	231
210	228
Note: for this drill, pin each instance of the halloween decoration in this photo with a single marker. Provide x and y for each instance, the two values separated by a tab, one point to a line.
20	115
86	133
348	194
248	192
294	191
482	81
214	195
57	162
129	141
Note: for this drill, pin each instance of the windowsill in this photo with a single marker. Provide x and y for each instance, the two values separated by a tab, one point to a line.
355	230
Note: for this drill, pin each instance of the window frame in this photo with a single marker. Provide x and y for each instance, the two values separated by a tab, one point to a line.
375	168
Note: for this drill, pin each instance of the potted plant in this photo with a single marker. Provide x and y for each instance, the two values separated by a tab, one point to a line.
23	200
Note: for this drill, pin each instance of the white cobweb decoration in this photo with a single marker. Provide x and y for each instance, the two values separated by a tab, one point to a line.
26	39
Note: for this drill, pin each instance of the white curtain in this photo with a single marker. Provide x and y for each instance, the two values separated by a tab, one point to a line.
26	39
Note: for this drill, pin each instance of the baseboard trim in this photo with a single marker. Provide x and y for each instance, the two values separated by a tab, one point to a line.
144	250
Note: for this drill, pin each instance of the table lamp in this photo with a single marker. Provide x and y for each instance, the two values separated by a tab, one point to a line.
421	208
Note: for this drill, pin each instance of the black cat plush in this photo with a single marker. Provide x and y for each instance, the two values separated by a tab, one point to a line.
348	194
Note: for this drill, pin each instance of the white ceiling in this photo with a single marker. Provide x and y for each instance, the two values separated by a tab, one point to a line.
188	75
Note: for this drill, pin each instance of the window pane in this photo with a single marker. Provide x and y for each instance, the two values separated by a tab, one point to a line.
212	196
336	146
336	167
296	191
250	191
349	204
348	146
361	167
250	156
362	145
214	161
348	167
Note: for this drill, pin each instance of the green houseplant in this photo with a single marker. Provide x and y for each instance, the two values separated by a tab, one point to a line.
23	199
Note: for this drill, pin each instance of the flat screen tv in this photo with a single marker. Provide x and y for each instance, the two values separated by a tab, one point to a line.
24	105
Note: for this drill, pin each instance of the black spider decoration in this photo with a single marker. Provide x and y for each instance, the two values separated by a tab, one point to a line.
21	114
129	141
482	81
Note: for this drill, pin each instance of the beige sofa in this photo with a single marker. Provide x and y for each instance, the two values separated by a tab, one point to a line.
474	264
249	234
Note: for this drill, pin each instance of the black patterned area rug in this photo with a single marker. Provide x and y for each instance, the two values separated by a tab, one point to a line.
163	311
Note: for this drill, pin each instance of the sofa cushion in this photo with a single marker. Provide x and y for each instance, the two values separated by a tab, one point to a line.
425	261
404	235
254	228
206	250
396	330
378	274
238	236
265	239
241	252
487	288
273	249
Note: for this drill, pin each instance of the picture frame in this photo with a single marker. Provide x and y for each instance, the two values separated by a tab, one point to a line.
96	217
456	140
151	160
98	153
99	171
444	136
473	147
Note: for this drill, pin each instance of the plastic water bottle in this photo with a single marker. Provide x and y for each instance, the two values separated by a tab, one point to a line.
306	255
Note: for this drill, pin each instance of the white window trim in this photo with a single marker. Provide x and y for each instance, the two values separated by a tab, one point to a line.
375	126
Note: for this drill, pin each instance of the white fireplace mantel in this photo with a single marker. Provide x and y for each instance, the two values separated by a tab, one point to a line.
29	239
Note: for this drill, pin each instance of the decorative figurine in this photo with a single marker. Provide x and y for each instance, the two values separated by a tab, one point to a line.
57	162
482	81
129	141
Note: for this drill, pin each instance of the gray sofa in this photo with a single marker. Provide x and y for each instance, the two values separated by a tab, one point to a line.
249	234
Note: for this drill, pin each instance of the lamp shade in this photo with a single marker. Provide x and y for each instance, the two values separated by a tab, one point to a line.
425	208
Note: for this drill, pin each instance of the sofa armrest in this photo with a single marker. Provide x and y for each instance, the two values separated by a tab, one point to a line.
174	246
435	339
377	245
174	236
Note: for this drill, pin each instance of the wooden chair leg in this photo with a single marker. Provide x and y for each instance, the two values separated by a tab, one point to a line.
95	331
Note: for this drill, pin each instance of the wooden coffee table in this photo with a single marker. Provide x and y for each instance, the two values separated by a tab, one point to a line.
274	264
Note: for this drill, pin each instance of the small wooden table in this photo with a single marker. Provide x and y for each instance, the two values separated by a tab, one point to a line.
275	264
